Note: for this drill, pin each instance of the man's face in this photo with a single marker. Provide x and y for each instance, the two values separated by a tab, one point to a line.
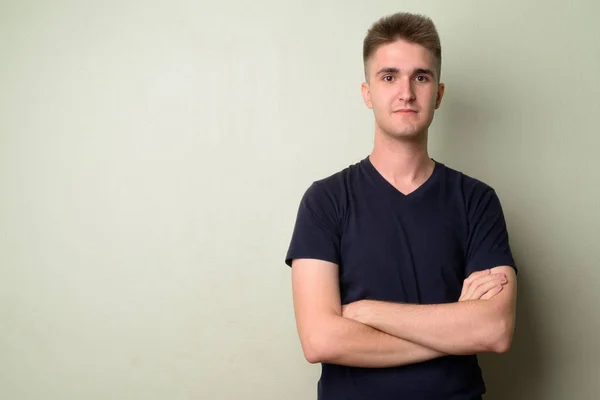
402	89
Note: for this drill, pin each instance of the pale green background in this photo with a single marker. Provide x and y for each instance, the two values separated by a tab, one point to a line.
153	154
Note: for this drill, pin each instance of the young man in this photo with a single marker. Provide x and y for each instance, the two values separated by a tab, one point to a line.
401	267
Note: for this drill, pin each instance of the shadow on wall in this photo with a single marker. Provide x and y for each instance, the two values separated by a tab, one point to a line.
467	139
518	374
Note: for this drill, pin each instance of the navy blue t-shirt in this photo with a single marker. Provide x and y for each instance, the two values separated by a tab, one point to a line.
416	248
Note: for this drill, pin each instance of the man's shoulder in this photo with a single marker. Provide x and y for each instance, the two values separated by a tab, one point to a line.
466	183
336	185
473	193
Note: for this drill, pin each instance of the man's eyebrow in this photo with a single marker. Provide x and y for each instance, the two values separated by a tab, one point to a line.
423	71
393	70
388	70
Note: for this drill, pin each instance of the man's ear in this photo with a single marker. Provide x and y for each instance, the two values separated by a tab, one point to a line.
440	95
366	93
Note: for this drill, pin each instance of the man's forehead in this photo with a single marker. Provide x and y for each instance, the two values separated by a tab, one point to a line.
402	53
404	56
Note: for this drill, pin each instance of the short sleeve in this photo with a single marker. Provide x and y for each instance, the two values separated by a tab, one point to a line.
316	232
488	243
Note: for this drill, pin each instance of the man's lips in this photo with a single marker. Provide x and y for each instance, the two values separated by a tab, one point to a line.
405	111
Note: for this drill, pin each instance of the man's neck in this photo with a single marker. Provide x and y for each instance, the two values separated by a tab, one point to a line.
403	163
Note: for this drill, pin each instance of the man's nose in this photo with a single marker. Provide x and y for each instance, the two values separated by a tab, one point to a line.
405	90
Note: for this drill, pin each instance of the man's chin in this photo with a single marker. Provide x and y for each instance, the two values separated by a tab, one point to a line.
407	134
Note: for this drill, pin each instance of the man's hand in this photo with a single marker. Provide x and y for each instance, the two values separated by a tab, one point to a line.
482	285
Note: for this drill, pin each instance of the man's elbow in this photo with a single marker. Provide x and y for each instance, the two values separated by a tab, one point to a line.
501	337
313	356
312	350
317	348
501	345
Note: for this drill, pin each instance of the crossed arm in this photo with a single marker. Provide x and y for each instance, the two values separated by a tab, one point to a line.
378	334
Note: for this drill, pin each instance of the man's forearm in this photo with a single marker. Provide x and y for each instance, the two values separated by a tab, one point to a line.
466	327
350	343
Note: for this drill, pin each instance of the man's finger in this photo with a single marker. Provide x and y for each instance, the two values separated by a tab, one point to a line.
486	287
492	292
469	280
470	294
476	275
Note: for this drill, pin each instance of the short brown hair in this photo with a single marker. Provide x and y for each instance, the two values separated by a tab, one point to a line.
413	28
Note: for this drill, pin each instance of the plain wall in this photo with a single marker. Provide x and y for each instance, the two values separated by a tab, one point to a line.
153	155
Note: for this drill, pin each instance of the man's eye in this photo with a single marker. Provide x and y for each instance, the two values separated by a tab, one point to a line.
388	78
422	78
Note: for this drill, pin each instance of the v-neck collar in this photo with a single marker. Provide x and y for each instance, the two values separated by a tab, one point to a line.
381	182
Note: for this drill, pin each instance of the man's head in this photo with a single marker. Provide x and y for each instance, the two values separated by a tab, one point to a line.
402	60
412	28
